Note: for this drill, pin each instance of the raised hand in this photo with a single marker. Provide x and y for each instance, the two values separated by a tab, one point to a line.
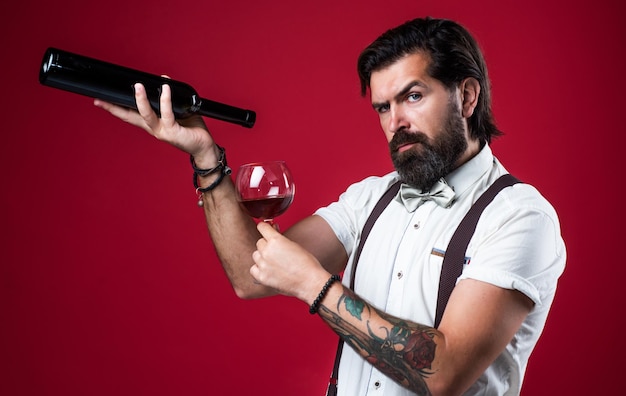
189	135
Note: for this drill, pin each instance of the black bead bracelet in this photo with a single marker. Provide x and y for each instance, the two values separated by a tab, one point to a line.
316	304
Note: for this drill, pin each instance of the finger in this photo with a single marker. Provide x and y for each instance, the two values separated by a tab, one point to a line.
255	269
144	108
266	230
123	113
165	103
254	272
256	257
260	244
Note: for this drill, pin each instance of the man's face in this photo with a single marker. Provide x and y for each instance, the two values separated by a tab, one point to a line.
421	119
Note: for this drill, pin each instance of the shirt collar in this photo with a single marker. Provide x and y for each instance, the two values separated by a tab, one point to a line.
470	172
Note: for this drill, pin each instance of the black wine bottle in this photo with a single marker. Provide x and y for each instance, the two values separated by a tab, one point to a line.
113	83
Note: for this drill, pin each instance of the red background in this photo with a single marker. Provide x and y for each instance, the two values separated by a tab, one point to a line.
108	281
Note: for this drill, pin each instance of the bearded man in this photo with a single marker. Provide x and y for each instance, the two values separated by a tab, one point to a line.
428	82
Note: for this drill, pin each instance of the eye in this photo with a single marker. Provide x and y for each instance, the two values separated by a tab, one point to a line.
382	109
414	97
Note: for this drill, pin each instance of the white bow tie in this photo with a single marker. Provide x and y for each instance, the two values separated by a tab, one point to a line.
412	198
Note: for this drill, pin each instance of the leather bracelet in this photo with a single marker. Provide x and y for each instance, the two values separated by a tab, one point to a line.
316	304
226	171
221	162
222	167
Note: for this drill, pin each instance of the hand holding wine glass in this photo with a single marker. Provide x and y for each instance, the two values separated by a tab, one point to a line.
265	189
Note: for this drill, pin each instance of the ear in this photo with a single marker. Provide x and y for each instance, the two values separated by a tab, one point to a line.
470	91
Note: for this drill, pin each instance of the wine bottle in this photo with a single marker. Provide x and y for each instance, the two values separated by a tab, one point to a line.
113	83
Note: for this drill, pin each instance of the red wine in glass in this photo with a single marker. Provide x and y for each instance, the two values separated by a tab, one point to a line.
265	189
267	208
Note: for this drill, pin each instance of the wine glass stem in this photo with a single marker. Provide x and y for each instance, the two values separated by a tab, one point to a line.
271	222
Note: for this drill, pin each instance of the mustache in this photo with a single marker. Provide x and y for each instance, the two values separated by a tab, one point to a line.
401	138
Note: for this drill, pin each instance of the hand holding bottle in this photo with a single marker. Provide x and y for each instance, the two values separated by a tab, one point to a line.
189	135
113	83
112	86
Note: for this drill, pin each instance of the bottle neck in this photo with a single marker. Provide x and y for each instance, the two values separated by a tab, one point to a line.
224	112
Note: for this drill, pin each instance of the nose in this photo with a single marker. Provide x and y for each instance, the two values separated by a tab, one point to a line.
397	119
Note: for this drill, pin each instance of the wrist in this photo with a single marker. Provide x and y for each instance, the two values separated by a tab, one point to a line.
206	179
208	158
317	302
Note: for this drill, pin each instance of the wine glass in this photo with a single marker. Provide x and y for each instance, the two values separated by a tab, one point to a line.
265	189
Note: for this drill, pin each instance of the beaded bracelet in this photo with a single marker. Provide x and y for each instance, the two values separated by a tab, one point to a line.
316	304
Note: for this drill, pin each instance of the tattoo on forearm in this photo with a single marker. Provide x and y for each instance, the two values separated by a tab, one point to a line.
402	350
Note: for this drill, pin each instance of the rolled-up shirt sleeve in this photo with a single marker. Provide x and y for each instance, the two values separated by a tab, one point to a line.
521	250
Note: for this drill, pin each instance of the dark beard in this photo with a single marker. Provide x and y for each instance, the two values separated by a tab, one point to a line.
422	167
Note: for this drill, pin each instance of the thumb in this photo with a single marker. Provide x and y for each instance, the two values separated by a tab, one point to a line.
267	230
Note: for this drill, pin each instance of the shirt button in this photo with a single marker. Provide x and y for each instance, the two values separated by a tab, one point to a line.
416	225
377	384
400	274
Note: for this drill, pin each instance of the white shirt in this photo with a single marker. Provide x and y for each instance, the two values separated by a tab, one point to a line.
517	245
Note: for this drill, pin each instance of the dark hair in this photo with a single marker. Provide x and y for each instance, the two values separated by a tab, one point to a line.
454	55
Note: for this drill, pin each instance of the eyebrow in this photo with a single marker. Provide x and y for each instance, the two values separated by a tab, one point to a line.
398	97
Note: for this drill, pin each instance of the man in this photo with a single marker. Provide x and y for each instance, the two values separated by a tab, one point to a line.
428	83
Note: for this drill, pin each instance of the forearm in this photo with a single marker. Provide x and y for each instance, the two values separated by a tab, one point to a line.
404	351
233	233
